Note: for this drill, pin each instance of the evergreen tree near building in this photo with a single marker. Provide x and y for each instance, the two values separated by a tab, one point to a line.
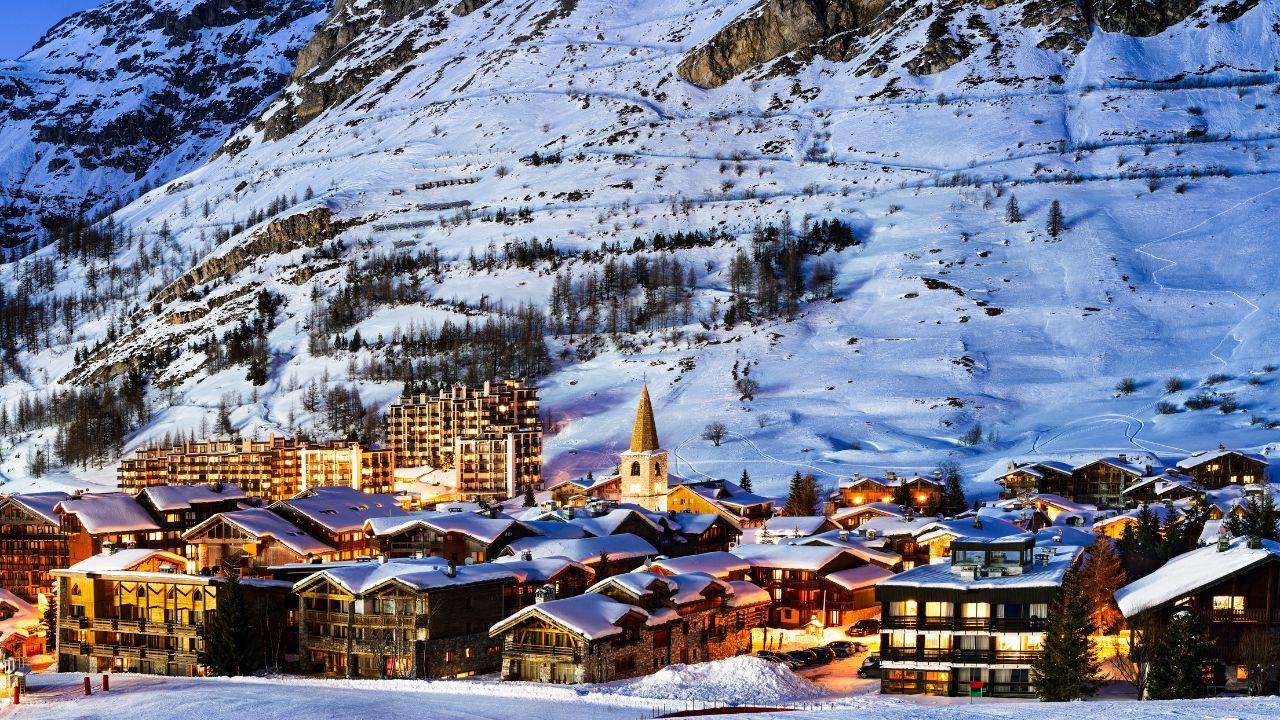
745	481
229	647
528	496
1103	575
802	496
1056	222
1068	668
1178	661
902	495
1259	518
953	501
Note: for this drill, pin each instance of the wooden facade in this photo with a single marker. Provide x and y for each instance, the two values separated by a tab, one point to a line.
152	618
1225	467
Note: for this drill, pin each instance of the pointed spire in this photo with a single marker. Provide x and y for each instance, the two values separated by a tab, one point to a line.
645	434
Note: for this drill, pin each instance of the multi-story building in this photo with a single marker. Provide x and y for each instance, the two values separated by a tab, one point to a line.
458	537
250	541
178	508
1222	467
402	618
978	619
818	585
136	610
32	543
630	625
269	469
1231	587
917	492
94	521
490	436
347	464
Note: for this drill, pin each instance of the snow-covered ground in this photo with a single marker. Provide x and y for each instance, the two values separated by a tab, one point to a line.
156	698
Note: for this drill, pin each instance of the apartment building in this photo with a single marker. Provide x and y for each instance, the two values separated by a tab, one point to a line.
489	435
32	543
978	619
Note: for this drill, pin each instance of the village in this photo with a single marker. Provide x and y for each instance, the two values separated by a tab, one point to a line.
444	555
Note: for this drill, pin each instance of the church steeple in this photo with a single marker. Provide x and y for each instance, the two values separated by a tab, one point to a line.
644	436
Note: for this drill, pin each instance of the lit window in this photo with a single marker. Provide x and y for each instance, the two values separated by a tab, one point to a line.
1228	602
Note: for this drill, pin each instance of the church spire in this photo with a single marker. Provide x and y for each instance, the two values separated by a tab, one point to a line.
644	436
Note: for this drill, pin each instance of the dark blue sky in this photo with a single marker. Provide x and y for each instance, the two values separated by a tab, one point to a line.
26	20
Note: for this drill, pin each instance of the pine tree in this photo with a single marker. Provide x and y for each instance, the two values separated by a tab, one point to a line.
902	495
802	496
229	649
1103	575
529	500
745	481
953	501
1056	223
1177	664
1011	212
1068	668
1259	517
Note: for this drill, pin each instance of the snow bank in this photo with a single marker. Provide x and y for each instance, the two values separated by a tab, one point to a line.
743	680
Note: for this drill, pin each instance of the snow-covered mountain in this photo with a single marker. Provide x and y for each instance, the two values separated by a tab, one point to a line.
131	94
400	178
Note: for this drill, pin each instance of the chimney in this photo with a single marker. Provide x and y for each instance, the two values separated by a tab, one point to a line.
108	548
1224	542
526	555
451	569
1221	446
568	512
937	475
1123	457
1254	542
546	593
382	559
843	534
216	487
977	521
493	512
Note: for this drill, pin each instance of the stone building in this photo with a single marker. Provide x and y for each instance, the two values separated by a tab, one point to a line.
490	436
136	610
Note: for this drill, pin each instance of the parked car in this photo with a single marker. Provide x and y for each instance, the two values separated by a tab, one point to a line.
825	654
842	648
863	628
804	657
870	667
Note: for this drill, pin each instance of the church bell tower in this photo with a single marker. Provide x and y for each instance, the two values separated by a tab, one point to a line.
642	469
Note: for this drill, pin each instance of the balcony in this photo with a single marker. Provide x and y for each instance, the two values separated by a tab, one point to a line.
1019	624
144	627
1261	616
1015	656
900	621
512	648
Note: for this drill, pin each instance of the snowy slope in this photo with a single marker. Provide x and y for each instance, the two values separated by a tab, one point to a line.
1160	149
131	94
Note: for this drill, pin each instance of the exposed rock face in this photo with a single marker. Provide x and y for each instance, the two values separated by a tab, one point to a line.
769	30
1140	17
134	93
466	7
320	83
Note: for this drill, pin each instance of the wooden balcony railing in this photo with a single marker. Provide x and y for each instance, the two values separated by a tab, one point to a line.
1261	616
513	648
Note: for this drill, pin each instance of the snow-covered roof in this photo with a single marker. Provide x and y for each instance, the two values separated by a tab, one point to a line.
989	528
341	509
939	575
608	523
794	557
639	584
1190	572
1075	536
869	550
41	504
688	523
101	513
893	526
746	594
555	529
882	508
542	570
797	525
1163	513
586	550
423	574
263	523
591	615
719	564
165	498
478	527
1162	484
125	560
1126	465
1059	502
1199	458
25	615
859	577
